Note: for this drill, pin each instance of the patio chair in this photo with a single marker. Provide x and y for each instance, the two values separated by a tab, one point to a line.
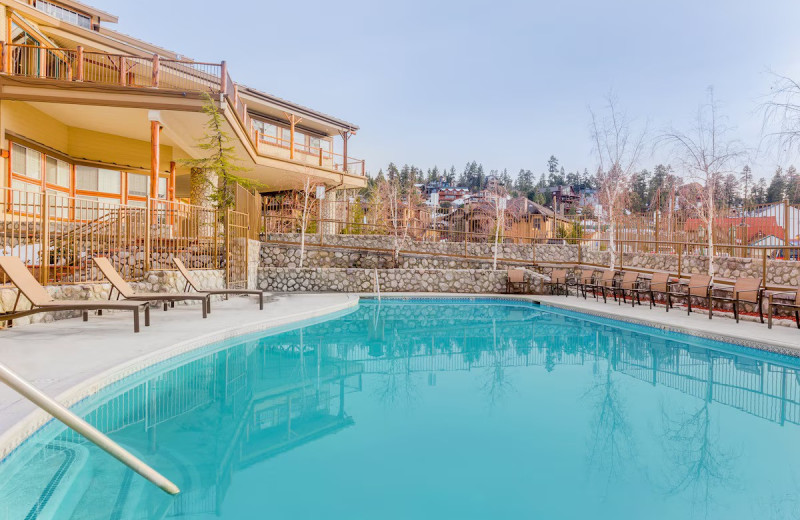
629	283
659	284
585	281
778	305
41	301
745	290
516	279
191	283
126	291
558	278
699	286
606	282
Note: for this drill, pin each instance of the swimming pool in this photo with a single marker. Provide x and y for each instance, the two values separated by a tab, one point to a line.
435	409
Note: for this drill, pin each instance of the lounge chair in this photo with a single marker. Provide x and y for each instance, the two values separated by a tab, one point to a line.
558	278
585	281
516	279
791	306
41	301
191	283
629	283
745	290
606	282
126	291
659	284
699	286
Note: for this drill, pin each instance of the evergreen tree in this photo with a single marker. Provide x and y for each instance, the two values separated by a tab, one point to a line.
392	173
777	187
793	185
746	177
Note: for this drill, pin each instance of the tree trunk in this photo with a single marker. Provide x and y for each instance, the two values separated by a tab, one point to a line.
612	253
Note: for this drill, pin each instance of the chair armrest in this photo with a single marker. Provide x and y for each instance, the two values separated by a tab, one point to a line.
775	293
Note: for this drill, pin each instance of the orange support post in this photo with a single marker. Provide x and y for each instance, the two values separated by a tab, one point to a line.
155	70
79	64
155	137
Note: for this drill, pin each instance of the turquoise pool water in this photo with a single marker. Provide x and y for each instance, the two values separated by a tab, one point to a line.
435	409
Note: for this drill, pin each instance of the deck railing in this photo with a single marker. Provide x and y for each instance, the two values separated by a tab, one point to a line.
316	155
56	236
125	70
102	68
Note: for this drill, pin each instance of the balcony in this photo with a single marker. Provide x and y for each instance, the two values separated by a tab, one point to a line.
101	68
154	72
307	154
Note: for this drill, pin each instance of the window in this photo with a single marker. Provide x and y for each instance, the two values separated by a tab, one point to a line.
88	178
62	13
162	188
26	162
138	185
314	143
57	172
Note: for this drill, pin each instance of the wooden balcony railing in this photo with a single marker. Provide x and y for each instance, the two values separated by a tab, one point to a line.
35	61
321	156
79	65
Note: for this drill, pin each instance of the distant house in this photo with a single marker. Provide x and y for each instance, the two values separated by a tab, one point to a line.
777	210
564	199
529	219
749	231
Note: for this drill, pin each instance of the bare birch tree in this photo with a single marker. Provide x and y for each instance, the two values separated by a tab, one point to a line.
618	149
395	213
307	204
706	154
781	110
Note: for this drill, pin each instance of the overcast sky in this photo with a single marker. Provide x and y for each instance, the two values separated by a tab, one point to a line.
504	83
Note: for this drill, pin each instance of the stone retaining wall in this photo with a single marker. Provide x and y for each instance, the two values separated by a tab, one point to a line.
154	281
286	279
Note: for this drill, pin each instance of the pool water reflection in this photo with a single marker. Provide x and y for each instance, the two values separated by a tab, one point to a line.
435	409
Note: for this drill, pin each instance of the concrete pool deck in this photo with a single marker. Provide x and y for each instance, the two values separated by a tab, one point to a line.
69	359
780	338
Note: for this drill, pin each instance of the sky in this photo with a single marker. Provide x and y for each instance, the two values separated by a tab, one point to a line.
504	83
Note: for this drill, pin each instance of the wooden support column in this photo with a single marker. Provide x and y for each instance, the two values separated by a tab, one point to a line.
123	77
155	138
156	67
42	62
79	64
171	188
345	137
293	120
3	57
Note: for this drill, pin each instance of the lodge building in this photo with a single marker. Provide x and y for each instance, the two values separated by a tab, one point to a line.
89	113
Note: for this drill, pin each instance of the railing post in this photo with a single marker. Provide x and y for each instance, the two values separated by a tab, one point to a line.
320	156
3	59
79	64
223	78
362	167
656	233
786	228
42	62
147	246
156	64
764	265
227	224
122	76
680	255
44	236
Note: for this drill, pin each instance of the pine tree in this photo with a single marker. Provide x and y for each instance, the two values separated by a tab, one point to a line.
220	168
746	178
777	187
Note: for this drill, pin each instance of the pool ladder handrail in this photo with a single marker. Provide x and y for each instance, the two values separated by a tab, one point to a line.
95	436
377	285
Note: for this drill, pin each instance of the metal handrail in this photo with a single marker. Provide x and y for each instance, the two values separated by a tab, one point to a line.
91	433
